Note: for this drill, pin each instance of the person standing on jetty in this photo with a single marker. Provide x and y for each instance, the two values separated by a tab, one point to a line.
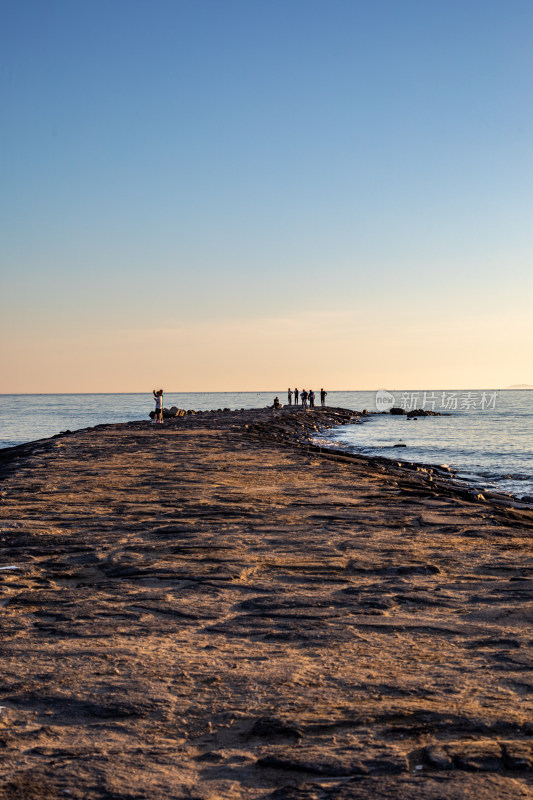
323	398
311	399
295	396
158	396
289	396
304	397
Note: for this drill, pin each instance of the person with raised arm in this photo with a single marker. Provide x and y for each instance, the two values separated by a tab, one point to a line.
158	397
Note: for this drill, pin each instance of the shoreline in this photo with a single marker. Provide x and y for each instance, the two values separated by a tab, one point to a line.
437	477
218	608
467	481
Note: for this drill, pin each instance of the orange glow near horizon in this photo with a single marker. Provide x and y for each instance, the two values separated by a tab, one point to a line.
334	350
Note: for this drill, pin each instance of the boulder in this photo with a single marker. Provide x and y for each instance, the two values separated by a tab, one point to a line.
418	412
422	412
168	413
397	411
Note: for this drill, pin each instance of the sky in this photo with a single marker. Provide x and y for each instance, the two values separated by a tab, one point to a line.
224	195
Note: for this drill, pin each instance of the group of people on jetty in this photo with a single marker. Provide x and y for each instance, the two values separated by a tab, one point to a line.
306	398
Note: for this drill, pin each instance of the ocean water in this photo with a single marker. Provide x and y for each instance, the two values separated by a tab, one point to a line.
487	437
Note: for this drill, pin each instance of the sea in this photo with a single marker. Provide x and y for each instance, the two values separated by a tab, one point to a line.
485	437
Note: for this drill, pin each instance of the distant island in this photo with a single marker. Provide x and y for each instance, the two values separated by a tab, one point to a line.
520	386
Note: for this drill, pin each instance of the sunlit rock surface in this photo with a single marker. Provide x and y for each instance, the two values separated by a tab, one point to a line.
214	608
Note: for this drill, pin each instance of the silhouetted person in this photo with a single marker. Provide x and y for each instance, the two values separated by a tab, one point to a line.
158	397
323	397
289	396
277	404
304	397
295	397
311	399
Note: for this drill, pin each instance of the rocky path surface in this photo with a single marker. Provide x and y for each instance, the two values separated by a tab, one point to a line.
212	609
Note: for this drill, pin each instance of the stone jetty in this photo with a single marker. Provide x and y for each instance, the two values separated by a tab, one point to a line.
223	607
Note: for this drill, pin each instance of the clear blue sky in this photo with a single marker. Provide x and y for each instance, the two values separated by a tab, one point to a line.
215	194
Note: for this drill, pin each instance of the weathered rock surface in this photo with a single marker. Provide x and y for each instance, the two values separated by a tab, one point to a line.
216	607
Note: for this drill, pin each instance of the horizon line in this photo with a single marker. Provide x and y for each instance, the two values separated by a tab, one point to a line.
265	391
